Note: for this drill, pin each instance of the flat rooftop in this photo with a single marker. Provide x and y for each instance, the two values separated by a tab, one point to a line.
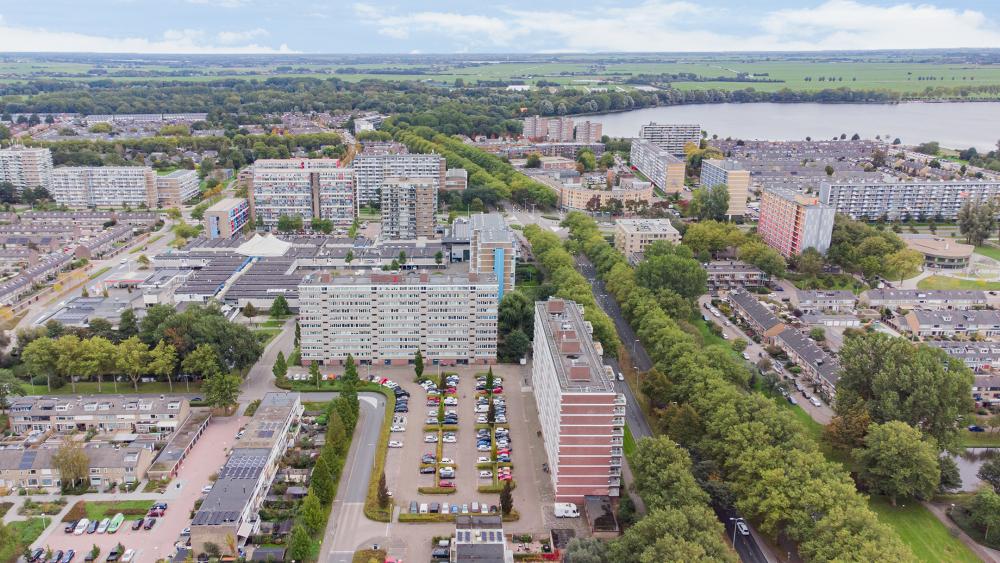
262	430
658	226
233	489
578	366
401	278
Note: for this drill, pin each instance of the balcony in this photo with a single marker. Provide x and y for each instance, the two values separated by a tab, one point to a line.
620	400
616	462
615	472
617	431
615	481
618	421
619	411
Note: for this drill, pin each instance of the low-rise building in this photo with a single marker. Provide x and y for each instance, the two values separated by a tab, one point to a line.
456	179
581	414
35	468
834	300
986	390
951	323
760	319
101	413
726	275
588	197
634	235
977	356
924	298
480	539
816	364
940	253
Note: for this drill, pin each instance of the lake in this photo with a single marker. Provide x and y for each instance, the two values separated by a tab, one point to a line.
954	125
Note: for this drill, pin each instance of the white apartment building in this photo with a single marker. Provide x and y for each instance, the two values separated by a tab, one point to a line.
493	249
301	187
26	167
663	169
898	199
386	317
177	187
634	235
581	415
589	132
672	137
371	170
104	186
408	207
734	176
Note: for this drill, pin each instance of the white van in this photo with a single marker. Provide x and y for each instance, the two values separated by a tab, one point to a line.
566	510
423	508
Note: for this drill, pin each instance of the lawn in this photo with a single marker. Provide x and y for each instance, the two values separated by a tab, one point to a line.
989	252
709	337
929	539
369	555
98	273
108	388
27	531
979	439
99	510
946	282
812	428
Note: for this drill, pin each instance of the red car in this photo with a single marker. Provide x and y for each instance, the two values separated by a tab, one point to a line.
503	451
504	477
446	484
497	390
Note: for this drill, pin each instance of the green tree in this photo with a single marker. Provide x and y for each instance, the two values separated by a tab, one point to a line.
203	360
898	462
977	221
691	533
314	374
439	257
70	356
279	307
710	203
985	510
299	544
280	369
809	263
662	472
506	499
322	481
383	492
534	160
128	325
418	364
9	385
587	160
40	357
222	390
324	226
769	260
72	463
288	224
989	472
514	346
163	362
903	264
829	170
99	359
336	434
586	550
853	533
249	311
817	333
672	266
311	512
132	359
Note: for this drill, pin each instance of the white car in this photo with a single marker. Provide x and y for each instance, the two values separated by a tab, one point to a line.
451	402
481	419
81	527
816	402
395	444
483	448
482	409
483	459
449	439
206	489
431	438
398	428
128	556
447	461
485	474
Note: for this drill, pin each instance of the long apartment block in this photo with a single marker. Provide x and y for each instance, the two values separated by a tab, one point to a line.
103	413
177	187
386	318
672	137
897	200
26	167
663	169
372	168
104	186
302	187
581	415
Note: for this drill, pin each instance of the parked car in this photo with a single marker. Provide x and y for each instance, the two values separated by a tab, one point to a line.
128	556
92	527
206	489
395	444
974	428
138	524
113	555
150	522
431	438
435	507
485	474
447	461
446	484
68	556
56	557
413	507
70	526
427	470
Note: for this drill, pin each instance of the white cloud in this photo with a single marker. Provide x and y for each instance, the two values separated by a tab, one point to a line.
20	39
678	25
237	37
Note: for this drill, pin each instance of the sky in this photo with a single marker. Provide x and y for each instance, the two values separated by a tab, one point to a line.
500	26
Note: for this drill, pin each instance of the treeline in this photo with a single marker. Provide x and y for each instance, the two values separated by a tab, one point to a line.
762	459
491	179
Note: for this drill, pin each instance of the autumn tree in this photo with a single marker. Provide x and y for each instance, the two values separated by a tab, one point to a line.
72	463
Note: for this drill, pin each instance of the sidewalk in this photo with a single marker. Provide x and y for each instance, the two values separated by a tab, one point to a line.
985	553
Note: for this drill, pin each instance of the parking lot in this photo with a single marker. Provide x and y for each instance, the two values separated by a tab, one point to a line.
206	457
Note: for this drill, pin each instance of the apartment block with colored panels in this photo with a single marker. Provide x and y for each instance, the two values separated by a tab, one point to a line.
300	187
581	415
227	217
791	222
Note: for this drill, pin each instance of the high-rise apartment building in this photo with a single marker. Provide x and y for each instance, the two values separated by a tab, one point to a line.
227	217
589	132
26	167
671	137
581	415
371	170
493	249
556	129
456	179
104	186
920	200
791	222
300	187
386	317
177	187
408	207
663	169
734	176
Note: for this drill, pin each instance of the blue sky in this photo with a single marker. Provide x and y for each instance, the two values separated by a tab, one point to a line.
469	26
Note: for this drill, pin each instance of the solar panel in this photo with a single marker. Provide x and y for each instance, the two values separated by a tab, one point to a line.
28	459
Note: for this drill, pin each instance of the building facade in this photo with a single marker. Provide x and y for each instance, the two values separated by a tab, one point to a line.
36	468
408	207
589	132
555	129
736	179
456	179
386	318
582	416
26	167
371	170
104	414
634	235
227	217
920	200
299	187
582	197
727	275
663	169
104	186
951	323
924	298
791	222
177	187
672	137
493	250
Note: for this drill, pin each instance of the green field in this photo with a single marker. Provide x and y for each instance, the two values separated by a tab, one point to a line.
929	539
945	282
27	531
989	252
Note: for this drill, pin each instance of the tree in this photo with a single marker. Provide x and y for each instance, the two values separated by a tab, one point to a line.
710	203
506	499
132	358
40	357
298	334
222	390
817	333
128	325
418	364
324	226
143	261
533	161
336	434
930	148
668	265
769	260
279	307
989	472
587	160
514	346
280	369
383	492
985	510
312	513
977	221
249	311
898	462
72	463
586	550
314	374
349	257
299	544
163	362
662	472
829	170
288	224
203	360
69	357
853	533
9	385
809	263
321	481
712	237
439	257
99	359
691	533
951	478
903	264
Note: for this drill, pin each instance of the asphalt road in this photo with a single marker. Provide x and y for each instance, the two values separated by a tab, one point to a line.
746	547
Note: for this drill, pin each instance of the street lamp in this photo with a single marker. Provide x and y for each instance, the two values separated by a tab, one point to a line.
733	520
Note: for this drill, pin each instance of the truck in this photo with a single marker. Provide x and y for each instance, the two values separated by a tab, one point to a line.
566	510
